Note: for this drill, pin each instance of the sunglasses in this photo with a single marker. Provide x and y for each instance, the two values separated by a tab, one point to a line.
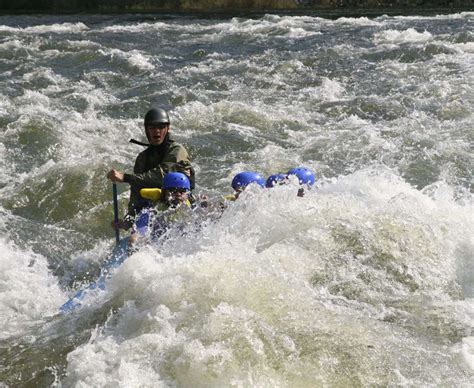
159	126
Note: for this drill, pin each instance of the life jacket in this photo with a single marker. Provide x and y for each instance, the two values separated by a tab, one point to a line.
154	194
149	223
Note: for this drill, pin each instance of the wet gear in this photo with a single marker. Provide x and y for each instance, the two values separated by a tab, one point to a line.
305	175
153	194
275	179
176	180
156	116
243	179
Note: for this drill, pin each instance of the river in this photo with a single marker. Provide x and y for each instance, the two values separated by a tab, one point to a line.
368	280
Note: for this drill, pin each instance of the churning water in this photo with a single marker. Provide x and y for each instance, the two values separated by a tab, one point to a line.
367	280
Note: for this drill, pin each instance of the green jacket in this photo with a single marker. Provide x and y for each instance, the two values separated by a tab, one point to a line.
151	166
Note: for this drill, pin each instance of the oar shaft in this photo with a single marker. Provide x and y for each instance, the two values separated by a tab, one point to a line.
116	218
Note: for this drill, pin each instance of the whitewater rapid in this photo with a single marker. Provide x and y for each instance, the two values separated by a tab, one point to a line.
366	280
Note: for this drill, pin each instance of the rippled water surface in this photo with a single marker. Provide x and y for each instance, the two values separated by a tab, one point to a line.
366	280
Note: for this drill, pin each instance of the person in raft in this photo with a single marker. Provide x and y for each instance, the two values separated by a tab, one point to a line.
242	180
275	180
169	204
304	175
162	155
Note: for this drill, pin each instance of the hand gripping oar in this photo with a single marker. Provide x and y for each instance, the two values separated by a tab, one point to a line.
117	231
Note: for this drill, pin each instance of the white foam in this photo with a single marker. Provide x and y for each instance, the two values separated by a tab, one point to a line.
252	297
53	28
452	16
467	47
467	351
400	37
301	33
5	104
332	90
270	26
133	57
137	28
28	292
13	44
362	21
4	175
83	44
46	74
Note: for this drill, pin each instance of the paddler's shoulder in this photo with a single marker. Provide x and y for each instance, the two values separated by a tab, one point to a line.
172	144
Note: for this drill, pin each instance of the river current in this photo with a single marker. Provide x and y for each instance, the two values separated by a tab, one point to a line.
368	280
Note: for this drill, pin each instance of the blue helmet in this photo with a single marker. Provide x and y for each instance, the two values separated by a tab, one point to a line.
243	179
275	179
305	175
176	180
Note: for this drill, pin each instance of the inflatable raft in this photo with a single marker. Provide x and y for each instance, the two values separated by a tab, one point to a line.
81	297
